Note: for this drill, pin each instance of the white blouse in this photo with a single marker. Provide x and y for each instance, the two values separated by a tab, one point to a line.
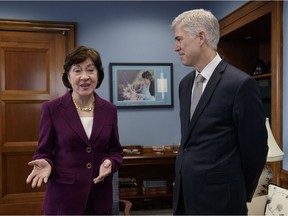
87	123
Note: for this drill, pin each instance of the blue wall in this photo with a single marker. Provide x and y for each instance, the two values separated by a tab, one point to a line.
122	32
135	31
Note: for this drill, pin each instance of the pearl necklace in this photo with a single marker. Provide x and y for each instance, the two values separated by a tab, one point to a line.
84	109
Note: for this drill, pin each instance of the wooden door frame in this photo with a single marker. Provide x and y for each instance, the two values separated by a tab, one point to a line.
66	28
33	204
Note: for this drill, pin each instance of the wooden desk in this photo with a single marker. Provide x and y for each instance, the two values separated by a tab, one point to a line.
149	165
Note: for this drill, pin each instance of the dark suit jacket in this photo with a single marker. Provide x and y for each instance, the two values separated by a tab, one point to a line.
64	143
224	147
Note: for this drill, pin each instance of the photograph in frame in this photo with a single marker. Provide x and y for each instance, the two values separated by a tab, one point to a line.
141	85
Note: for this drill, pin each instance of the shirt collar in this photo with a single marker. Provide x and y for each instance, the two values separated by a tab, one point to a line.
208	70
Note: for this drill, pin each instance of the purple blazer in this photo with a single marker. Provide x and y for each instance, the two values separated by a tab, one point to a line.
75	159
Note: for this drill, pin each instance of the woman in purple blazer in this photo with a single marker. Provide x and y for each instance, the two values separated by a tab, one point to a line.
79	148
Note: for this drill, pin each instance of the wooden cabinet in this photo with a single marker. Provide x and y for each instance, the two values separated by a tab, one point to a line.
149	165
250	33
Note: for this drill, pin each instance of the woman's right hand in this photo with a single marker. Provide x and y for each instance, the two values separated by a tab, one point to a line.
41	172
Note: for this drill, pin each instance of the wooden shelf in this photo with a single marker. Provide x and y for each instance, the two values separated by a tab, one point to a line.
142	196
262	76
150	165
149	158
250	33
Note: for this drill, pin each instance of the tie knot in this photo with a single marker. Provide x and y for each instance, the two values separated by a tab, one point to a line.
200	78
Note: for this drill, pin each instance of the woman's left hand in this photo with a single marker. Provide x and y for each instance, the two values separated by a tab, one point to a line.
105	170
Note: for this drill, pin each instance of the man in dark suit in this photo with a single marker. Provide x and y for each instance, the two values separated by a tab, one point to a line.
223	140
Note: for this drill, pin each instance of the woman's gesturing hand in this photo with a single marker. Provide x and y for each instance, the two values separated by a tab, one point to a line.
105	170
41	172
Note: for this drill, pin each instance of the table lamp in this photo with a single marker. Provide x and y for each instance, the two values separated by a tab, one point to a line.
274	153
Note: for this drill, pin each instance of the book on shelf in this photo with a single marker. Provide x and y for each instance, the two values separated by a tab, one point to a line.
127	182
154	183
128	191
154	190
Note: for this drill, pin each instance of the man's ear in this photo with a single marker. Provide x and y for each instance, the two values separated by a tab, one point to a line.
202	37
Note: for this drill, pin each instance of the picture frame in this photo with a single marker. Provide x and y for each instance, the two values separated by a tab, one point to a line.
141	85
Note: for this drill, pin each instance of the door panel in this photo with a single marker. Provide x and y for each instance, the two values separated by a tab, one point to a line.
19	127
31	63
29	76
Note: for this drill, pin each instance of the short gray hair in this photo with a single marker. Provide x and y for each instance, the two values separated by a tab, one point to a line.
200	20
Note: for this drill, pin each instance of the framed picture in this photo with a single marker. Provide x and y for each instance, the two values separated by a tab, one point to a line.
140	85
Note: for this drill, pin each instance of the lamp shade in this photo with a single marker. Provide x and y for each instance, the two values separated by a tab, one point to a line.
274	153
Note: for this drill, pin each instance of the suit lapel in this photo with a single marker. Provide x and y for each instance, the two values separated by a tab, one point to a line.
99	118
208	92
70	115
72	118
187	99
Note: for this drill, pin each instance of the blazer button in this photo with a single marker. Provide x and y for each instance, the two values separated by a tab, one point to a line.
88	165
88	149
